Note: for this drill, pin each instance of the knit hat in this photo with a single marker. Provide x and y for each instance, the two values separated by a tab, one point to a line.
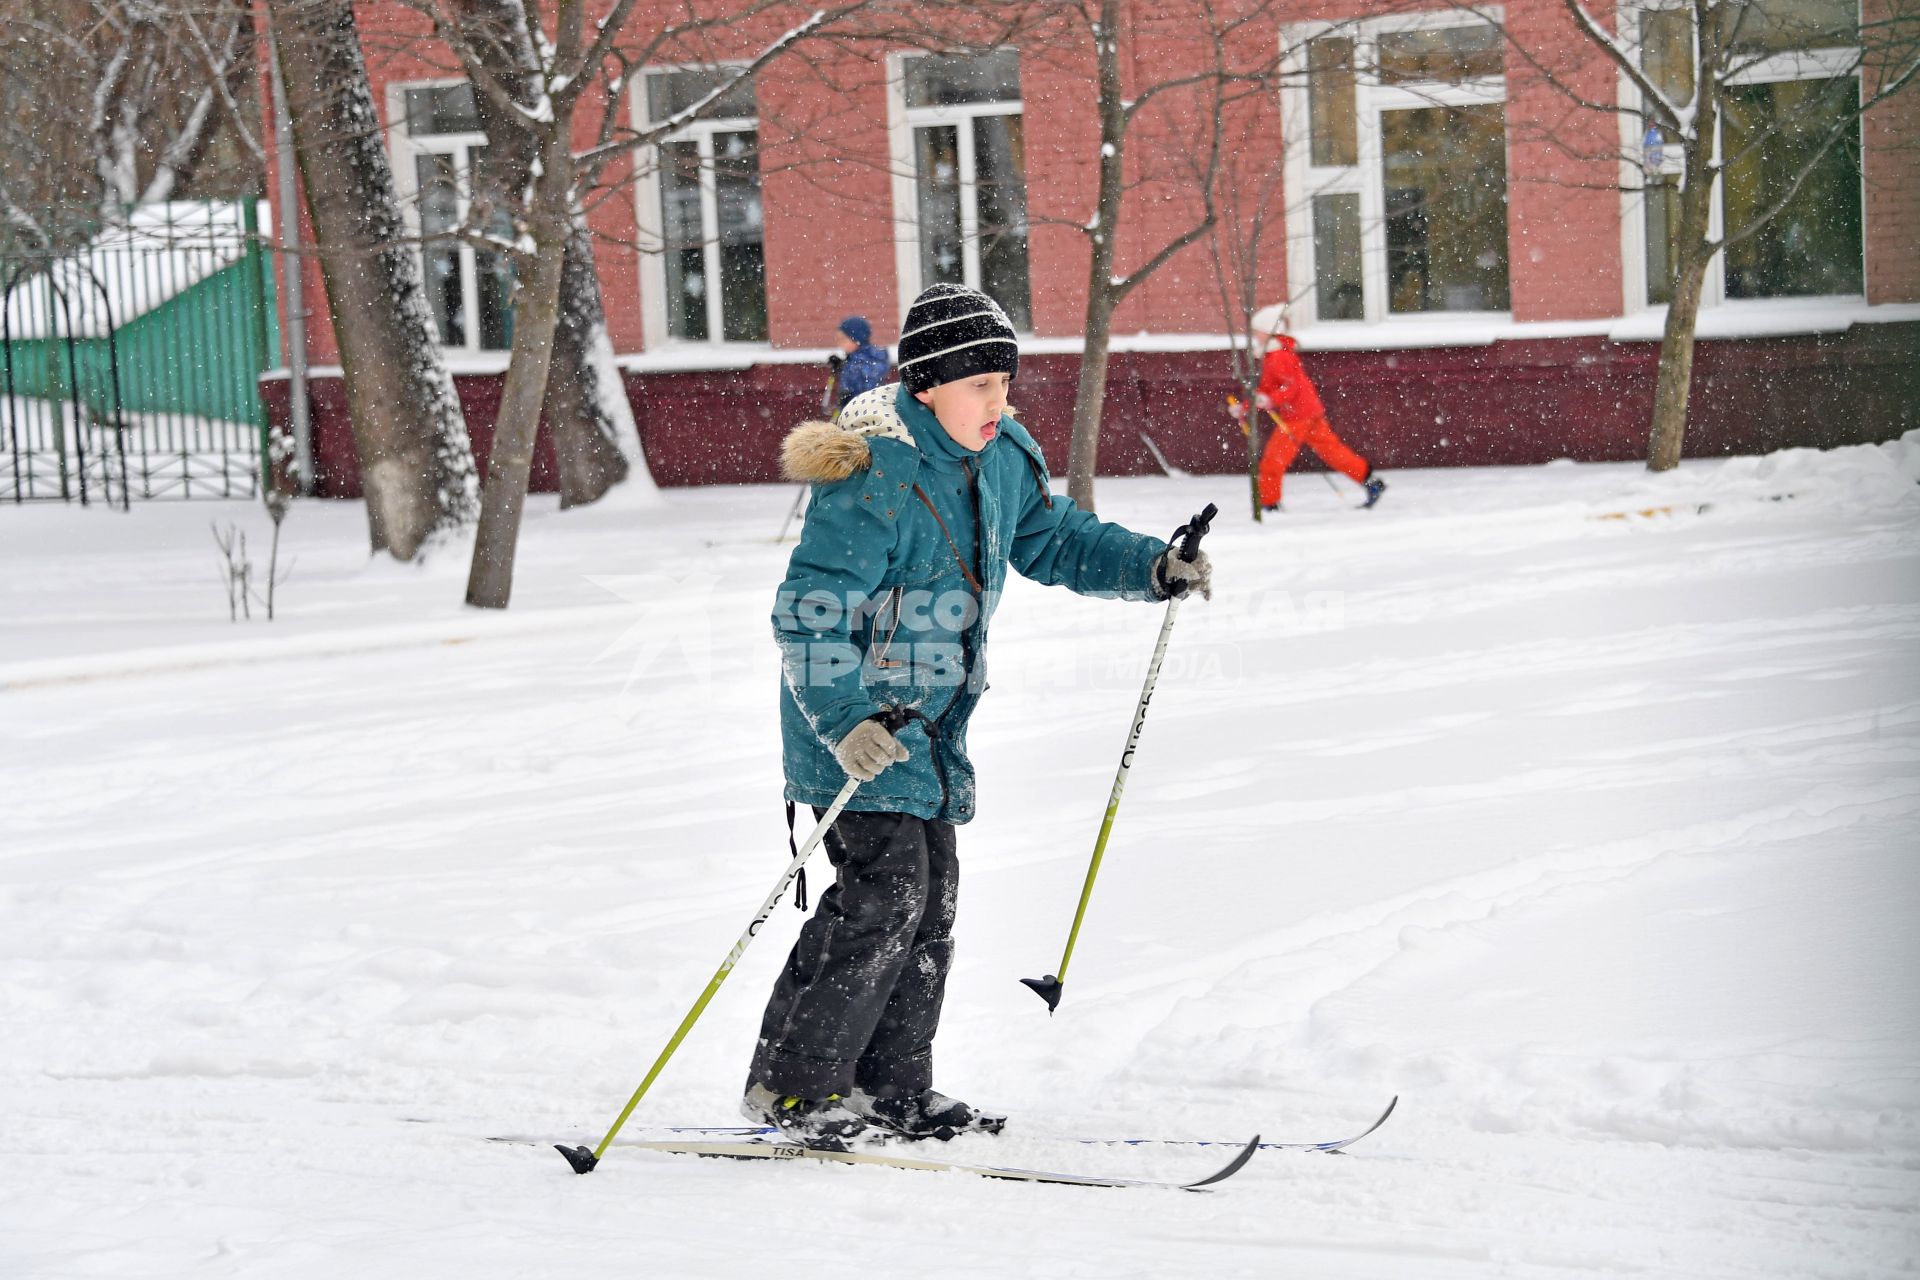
1270	319
954	332
857	328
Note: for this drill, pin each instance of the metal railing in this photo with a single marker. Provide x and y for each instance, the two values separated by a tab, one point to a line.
132	359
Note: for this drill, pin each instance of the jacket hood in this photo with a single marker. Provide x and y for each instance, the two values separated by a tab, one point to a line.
826	452
857	328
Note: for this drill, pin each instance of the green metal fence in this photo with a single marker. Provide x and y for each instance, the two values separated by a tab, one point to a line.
132	359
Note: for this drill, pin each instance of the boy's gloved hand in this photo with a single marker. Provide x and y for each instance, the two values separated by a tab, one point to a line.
868	749
1173	576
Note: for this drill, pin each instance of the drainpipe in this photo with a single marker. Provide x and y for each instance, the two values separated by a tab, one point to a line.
294	275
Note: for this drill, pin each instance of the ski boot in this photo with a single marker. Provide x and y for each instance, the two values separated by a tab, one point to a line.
923	1115
1273	509
1375	486
823	1123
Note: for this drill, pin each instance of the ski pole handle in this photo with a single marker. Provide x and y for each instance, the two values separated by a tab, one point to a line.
1187	536
894	719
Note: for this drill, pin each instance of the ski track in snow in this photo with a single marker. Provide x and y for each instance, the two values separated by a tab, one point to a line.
1587	832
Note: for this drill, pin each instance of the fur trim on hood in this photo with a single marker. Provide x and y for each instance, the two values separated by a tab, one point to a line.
825	452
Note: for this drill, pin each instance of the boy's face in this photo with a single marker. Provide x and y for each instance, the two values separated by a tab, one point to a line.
847	345
969	408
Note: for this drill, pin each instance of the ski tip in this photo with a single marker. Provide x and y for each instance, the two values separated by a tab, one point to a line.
582	1160
1339	1148
1234	1166
1047	988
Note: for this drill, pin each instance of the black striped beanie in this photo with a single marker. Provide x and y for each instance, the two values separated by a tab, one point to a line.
954	332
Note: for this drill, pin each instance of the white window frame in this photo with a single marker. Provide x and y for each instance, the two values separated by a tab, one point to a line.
653	266
1306	180
902	120
407	146
1804	64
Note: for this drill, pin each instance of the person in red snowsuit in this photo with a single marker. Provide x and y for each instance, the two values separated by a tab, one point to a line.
1299	417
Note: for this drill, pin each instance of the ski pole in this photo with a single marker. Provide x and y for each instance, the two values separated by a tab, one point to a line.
799	500
583	1160
1187	536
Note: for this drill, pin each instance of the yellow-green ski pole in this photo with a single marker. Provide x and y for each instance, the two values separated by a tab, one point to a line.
1187	536
583	1160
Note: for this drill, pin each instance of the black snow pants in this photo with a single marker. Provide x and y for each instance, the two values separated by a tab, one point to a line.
859	999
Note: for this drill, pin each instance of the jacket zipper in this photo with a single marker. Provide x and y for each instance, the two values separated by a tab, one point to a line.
880	659
966	637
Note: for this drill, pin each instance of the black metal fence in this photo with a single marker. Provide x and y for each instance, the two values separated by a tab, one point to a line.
132	358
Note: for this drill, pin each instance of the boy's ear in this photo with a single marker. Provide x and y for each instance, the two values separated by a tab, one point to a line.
924	397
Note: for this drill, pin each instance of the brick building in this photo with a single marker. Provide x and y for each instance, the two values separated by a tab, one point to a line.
1471	280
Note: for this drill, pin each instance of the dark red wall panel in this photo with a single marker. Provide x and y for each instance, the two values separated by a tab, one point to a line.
1508	403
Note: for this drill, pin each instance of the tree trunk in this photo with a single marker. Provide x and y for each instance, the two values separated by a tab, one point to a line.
1674	381
416	465
536	309
1090	400
586	405
595	441
1248	389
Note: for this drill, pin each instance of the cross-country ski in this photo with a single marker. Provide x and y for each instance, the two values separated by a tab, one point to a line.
768	1132
922	1157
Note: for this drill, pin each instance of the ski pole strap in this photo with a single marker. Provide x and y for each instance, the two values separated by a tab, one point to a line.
895	719
793	851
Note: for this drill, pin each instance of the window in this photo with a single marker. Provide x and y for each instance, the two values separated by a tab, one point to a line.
1774	132
1445	174
967	152
470	291
1790	109
1786	26
713	265
1396	150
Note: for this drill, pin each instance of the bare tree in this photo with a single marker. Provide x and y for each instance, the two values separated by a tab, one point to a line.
111	103
1164	126
1689	125
596	443
416	464
1250	199
560	75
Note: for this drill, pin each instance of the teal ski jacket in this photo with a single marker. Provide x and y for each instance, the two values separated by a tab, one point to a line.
888	597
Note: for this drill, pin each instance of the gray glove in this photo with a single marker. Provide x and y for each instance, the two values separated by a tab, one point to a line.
868	749
1173	576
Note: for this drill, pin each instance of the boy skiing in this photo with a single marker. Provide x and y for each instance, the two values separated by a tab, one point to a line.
1298	416
925	493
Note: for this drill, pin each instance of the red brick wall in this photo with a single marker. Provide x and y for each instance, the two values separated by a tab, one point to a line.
1891	144
829	198
831	234
1563	229
828	193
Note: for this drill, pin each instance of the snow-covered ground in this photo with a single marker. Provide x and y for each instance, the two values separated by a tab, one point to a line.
1582	818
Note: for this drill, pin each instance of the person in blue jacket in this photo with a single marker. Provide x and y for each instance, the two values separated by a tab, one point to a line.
859	366
924	494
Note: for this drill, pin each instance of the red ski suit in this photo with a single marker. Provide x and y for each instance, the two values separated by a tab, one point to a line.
1303	421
